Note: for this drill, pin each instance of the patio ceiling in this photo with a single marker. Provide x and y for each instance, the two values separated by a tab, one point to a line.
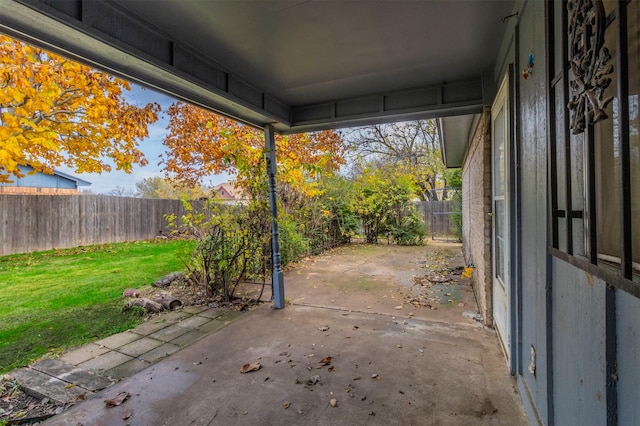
300	65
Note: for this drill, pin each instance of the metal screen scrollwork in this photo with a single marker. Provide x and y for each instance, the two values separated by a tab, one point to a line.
589	63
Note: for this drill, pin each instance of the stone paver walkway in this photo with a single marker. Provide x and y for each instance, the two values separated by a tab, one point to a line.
79	373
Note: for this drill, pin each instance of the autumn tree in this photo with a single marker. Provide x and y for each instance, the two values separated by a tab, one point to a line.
160	187
412	147
201	143
55	112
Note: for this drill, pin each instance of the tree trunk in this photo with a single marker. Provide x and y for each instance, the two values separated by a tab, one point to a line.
148	304
169	302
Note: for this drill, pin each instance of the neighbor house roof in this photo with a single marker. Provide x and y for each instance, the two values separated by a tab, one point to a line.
227	191
43	180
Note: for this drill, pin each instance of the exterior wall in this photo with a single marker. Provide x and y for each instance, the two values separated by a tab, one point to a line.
532	263
36	191
579	327
575	338
476	206
628	347
39	183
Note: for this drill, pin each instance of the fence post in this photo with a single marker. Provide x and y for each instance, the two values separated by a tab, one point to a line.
277	280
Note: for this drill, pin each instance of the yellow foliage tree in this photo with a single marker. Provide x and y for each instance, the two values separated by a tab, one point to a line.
54	112
201	143
159	187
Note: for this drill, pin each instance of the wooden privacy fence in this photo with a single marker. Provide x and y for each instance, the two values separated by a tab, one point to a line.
45	222
442	214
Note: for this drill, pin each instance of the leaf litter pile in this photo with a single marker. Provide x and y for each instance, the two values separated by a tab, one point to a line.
439	273
16	407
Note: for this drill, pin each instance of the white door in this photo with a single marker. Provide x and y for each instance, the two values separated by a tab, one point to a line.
500	195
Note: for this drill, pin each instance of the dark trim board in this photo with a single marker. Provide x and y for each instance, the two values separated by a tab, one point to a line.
609	275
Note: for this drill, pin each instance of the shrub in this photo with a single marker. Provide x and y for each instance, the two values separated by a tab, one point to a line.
232	246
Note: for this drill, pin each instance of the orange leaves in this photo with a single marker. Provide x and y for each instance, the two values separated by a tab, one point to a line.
57	112
201	143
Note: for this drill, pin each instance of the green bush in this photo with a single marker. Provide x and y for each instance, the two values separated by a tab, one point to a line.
232	245
411	231
384	203
456	218
292	243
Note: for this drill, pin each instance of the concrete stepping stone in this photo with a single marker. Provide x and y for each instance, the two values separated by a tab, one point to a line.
72	374
84	353
212	313
139	347
41	385
193	322
105	362
118	340
230	316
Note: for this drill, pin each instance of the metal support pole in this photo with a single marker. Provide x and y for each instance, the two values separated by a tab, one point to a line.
277	280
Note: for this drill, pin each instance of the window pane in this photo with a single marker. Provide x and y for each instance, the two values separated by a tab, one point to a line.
499	240
607	153
498	155
561	173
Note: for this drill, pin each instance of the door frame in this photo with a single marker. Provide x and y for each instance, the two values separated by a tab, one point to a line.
503	101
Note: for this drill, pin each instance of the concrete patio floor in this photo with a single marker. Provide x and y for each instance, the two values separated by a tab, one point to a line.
391	363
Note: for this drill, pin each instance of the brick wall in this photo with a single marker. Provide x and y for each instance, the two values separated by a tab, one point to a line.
36	191
476	206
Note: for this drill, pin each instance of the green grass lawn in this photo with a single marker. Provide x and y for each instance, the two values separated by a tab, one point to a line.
58	299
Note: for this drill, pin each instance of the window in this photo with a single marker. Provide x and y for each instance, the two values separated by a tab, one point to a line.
594	152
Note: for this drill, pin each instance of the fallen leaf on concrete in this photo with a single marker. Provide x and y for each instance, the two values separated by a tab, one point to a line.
117	400
127	414
70	385
331	368
399	346
254	366
324	361
333	402
286	405
287	354
324	328
398	307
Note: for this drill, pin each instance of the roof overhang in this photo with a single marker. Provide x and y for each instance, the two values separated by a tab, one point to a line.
300	66
455	134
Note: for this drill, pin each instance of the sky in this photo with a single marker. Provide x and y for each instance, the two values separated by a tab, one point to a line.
151	147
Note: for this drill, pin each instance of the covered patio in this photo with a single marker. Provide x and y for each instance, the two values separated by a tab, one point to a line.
391	362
